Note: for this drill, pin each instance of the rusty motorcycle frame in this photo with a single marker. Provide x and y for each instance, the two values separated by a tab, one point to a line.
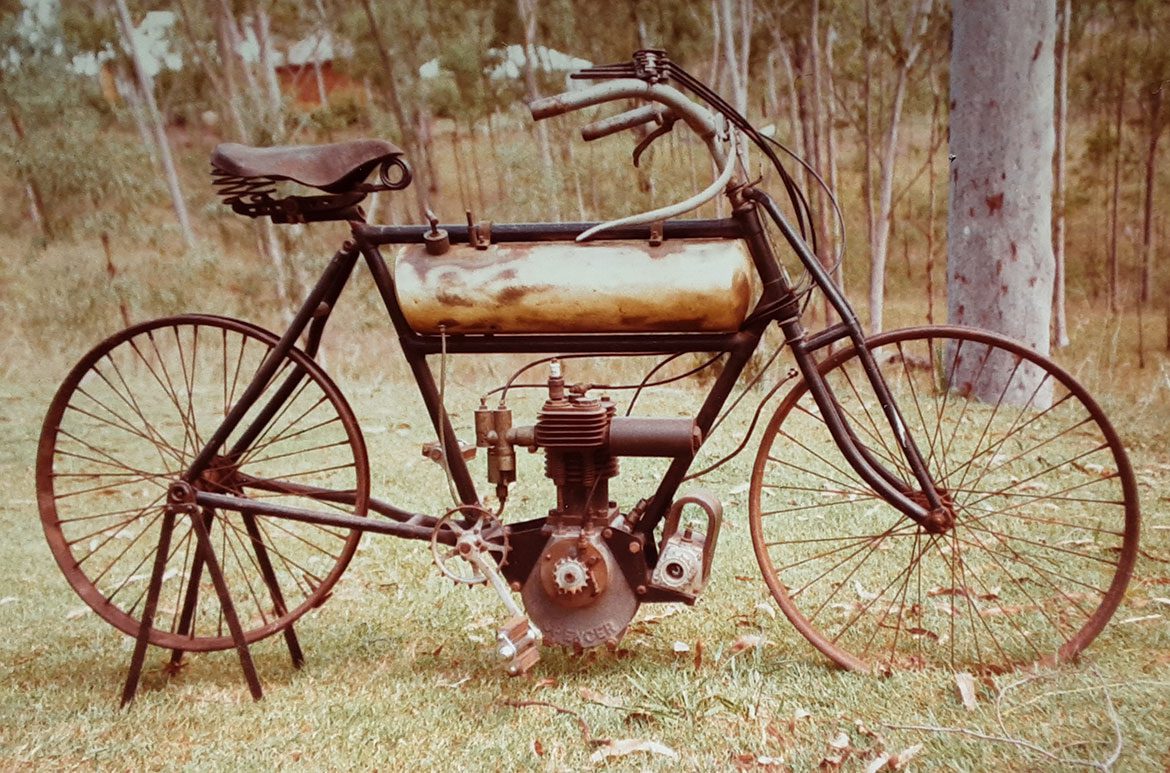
959	518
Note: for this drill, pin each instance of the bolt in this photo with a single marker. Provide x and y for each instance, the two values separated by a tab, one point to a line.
635	547
607	533
640	590
515	585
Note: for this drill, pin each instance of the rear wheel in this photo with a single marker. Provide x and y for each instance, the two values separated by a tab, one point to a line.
128	421
1044	503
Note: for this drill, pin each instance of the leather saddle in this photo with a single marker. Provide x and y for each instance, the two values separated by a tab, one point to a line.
336	167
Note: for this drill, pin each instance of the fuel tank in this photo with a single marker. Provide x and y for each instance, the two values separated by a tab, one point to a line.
700	285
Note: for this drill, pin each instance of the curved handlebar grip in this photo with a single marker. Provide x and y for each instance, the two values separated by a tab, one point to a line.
623	121
701	120
547	107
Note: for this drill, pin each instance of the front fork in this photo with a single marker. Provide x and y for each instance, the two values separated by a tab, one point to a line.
924	506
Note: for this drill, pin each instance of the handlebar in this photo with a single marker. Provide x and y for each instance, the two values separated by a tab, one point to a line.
622	121
699	118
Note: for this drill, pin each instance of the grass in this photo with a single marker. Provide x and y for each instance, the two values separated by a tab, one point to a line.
401	671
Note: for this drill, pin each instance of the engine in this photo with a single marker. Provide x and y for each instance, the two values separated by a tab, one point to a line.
582	571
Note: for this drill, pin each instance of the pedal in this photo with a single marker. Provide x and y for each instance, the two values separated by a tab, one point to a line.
519	645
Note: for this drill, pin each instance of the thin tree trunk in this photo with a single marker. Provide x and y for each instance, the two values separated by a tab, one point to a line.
126	89
1115	200
528	17
915	32
409	140
324	29
831	150
1060	123
164	146
36	202
885	211
797	140
867	138
261	26
1155	132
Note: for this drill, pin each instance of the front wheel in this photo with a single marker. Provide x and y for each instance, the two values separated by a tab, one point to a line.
1045	509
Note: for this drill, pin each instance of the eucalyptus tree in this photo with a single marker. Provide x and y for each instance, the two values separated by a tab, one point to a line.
1000	266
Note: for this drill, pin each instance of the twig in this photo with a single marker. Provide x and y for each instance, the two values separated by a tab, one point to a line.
1136	683
985	737
1105	765
585	733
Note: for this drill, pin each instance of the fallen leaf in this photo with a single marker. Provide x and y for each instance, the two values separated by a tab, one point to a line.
538	747
877	763
547	681
863	729
966	684
749	641
78	612
622	747
680	647
840	741
801	713
698	654
904	756
862	593
593	696
767	610
7	600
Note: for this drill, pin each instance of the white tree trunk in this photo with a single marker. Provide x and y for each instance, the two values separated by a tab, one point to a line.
1060	120
262	27
1000	268
146	86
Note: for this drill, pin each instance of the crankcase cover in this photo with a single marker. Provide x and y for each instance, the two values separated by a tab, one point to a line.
577	595
696	285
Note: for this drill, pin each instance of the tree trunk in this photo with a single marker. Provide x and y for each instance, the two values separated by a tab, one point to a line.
912	45
831	148
261	26
1060	120
885	209
1000	267
1115	200
156	121
409	140
528	17
1155	132
36	202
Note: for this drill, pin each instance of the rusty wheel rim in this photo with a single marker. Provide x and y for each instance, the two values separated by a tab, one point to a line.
127	421
1046	511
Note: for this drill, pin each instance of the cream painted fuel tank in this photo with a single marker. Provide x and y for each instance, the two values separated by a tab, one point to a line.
705	285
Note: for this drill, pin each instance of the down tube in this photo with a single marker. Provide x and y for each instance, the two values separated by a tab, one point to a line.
417	360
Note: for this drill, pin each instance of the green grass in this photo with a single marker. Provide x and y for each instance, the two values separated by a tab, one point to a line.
401	671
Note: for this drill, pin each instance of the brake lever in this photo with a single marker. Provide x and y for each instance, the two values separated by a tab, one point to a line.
664	128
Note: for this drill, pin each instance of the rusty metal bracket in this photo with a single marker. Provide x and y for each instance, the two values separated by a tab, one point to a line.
479	235
656	233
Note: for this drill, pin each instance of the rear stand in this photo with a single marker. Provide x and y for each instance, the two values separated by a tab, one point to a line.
181	502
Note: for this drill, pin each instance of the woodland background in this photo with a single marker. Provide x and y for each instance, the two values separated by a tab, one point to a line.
97	147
